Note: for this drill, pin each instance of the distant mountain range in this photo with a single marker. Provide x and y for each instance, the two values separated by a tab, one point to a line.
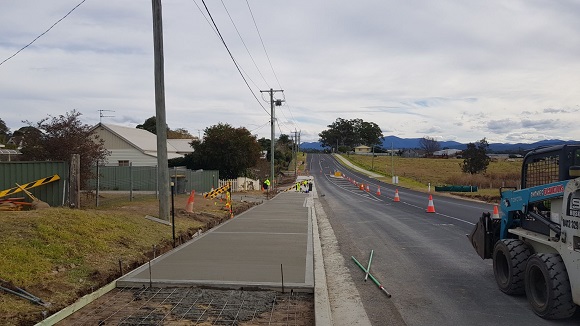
401	143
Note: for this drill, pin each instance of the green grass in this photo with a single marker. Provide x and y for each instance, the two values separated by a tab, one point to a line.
418	173
58	253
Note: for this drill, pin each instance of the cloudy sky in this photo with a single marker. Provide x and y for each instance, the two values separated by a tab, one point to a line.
454	70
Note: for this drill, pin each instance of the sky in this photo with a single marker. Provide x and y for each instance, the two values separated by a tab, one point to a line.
451	70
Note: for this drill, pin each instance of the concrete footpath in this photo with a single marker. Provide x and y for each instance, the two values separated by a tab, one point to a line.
266	247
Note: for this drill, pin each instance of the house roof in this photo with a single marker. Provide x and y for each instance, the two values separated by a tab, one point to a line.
362	146
181	145
141	139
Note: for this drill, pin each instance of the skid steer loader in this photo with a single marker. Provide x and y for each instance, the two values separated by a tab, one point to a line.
535	244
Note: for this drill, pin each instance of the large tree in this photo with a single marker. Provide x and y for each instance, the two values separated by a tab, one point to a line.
225	148
475	159
57	138
151	125
429	145
351	133
4	132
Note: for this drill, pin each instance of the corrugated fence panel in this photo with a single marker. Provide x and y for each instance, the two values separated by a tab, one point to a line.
144	178
24	172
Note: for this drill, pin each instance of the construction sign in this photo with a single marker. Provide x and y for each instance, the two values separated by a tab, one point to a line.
30	185
214	193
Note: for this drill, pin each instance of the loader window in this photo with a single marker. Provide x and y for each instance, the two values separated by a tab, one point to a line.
542	170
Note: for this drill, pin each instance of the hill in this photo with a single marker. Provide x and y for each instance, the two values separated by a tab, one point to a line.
401	143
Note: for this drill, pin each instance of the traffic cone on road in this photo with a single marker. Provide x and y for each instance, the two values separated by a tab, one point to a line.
379	191
190	200
397	199
362	187
368	189
495	213
430	206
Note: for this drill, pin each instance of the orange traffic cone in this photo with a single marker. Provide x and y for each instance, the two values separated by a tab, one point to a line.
190	200
430	207
495	212
397	195
368	189
379	191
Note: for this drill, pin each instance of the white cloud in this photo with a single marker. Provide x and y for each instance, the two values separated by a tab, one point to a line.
456	70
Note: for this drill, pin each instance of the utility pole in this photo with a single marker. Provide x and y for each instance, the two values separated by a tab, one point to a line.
295	148
161	124
272	130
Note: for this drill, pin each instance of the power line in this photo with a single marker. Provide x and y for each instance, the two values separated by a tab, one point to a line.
260	127
39	36
244	43
216	33
264	46
232	57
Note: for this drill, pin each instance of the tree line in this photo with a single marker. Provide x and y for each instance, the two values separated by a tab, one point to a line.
232	151
343	135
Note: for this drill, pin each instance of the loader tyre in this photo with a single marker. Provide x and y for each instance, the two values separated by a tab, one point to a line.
509	265
548	287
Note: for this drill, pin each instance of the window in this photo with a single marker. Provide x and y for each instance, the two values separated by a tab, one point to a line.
123	162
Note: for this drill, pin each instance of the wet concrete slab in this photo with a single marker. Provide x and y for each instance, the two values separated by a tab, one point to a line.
264	247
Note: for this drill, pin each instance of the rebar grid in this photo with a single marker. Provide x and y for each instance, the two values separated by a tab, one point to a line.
196	306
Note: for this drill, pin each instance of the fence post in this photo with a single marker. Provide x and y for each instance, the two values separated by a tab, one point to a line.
75	181
98	186
130	181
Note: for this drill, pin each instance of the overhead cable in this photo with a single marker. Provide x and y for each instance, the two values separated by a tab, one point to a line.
244	43
232	57
42	34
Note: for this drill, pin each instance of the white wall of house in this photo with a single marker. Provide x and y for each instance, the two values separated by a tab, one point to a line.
134	156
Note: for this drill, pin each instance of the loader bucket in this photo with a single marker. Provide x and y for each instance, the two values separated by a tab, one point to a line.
481	237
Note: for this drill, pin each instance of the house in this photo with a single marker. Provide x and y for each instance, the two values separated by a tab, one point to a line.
362	149
183	146
137	147
7	154
447	153
16	141
410	153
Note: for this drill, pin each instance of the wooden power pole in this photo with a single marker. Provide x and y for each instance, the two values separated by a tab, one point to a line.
161	124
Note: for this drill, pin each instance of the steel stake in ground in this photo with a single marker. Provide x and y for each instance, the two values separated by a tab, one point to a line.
372	277
369	266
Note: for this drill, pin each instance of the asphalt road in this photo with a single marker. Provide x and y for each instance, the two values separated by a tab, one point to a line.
423	259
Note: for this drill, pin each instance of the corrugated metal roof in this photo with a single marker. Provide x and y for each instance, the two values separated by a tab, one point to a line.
140	138
182	145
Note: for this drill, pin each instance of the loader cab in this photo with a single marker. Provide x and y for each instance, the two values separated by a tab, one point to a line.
541	167
550	164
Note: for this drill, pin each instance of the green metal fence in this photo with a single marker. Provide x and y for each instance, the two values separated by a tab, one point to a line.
53	193
117	183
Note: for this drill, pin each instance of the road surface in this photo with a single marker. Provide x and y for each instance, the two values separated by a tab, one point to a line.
423	259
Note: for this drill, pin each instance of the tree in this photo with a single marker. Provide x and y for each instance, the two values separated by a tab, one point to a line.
350	133
369	133
225	148
429	145
264	144
4	132
178	133
150	125
57	138
475	159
